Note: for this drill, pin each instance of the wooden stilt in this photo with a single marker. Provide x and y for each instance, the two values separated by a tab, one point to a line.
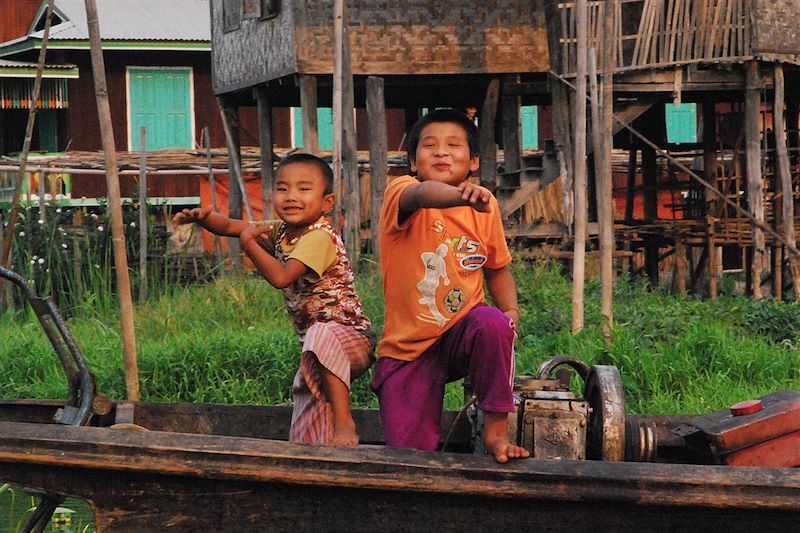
710	155
579	261
378	156
680	265
605	200
785	176
630	191
712	260
230	122
261	92
488	143
755	196
308	106
143	214
114	204
213	185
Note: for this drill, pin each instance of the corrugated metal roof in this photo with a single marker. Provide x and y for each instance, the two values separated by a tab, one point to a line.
5	63
157	20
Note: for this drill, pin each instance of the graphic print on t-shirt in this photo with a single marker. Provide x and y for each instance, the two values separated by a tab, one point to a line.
435	269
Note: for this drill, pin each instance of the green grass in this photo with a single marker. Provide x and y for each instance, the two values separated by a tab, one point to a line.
231	342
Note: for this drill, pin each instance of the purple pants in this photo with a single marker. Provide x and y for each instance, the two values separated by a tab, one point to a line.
411	393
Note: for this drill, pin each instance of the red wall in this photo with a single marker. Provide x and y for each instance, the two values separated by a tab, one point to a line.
16	16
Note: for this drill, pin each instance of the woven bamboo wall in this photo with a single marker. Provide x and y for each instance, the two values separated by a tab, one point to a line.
777	28
258	51
399	37
423	37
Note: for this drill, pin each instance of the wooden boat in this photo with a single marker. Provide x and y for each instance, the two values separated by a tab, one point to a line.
196	467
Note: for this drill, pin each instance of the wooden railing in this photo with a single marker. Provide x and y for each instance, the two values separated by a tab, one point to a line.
663	33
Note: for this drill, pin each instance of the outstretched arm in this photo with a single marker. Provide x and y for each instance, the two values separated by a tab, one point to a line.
441	195
212	221
278	274
503	290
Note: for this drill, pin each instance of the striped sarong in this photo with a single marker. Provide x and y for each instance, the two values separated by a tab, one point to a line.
346	354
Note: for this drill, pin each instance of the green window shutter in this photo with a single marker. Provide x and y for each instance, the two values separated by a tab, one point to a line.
160	100
681	123
324	127
529	117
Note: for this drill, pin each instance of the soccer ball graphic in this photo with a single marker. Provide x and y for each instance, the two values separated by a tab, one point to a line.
454	300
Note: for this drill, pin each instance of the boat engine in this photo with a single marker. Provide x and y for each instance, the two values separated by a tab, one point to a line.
552	422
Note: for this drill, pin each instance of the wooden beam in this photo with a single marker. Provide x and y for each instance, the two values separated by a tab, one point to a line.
710	152
114	203
378	156
213	185
488	144
579	144
755	195
230	119
784	175
308	107
603	173
266	161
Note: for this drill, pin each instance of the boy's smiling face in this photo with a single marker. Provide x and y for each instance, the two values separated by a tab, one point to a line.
299	195
443	154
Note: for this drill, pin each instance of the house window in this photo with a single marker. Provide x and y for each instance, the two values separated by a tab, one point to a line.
681	123
231	14
324	127
529	117
270	8
161	101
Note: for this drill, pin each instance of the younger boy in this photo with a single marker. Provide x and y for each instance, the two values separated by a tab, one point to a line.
440	235
303	255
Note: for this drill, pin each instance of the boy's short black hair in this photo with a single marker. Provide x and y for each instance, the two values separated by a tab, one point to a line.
443	115
310	159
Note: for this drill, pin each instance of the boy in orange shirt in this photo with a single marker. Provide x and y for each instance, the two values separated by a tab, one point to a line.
440	236
303	255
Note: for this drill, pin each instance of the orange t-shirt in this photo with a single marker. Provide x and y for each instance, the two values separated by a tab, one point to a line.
432	268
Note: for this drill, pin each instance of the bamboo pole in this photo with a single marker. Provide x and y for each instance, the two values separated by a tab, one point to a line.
351	198
308	108
378	145
784	172
265	148
234	157
5	251
755	196
143	214
579	258
212	183
112	182
605	185
338	58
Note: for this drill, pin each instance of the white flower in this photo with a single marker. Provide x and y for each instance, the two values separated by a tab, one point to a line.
99	228
21	233
133	224
32	261
40	221
35	257
41	260
94	216
64	246
48	270
58	210
96	265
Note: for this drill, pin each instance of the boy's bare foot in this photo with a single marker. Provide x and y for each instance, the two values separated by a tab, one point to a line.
345	437
495	438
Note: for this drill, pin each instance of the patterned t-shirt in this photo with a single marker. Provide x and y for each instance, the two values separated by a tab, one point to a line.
327	292
432	268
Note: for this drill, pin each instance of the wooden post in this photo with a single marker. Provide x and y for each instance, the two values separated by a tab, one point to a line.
265	144
561	109
142	214
236	191
630	190
785	176
512	136
680	265
345	159
112	182
605	185
712	259
213	184
488	144
378	156
755	197
308	108
5	250
650	197
710	154
579	255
